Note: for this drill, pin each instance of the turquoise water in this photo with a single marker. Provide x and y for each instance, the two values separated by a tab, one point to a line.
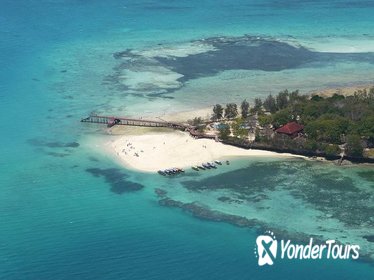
59	221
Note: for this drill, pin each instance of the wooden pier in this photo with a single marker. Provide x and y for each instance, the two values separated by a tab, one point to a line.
112	121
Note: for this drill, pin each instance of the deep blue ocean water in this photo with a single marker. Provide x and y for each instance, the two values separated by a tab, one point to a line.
58	221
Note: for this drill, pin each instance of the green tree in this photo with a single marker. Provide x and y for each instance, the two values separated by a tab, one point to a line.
270	104
354	147
217	112
231	111
354	109
365	128
238	129
199	124
312	110
337	96
311	129
294	97
311	144
265	120
245	109
332	150
282	99
282	117
327	128
258	104
197	121
316	98
224	131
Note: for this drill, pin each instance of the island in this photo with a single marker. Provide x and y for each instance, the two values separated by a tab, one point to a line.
334	126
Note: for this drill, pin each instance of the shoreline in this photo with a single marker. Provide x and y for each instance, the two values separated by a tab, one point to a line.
153	151
343	90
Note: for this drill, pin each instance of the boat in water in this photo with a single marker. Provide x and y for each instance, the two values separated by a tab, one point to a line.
218	162
170	171
212	165
206	165
161	172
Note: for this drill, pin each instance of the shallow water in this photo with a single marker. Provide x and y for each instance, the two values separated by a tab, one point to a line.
68	212
324	201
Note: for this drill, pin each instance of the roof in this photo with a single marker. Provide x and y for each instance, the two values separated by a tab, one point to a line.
290	128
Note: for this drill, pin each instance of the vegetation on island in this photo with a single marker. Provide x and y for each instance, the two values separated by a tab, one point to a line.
231	111
199	123
332	125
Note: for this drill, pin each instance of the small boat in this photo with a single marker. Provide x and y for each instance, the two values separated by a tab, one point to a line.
212	164
180	170
207	166
227	162
161	172
195	168
218	162
201	167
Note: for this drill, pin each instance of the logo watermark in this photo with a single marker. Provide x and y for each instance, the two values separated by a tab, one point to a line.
268	249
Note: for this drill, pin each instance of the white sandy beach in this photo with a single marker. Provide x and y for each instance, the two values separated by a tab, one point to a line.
154	151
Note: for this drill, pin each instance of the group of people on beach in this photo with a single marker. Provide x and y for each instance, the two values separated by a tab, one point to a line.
130	148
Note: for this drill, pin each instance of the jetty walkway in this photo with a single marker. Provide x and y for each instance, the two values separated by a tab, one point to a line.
111	121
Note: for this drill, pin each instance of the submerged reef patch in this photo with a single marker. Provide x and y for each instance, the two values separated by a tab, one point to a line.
52	144
117	179
163	69
58	155
205	213
328	191
309	196
369	238
244	181
367	175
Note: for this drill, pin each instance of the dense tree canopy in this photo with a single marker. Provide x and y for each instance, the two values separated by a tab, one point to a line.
270	104
238	128
231	111
354	147
245	109
217	112
332	120
328	121
258	105
224	131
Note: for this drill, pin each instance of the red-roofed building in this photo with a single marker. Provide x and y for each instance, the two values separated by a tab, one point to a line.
291	129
